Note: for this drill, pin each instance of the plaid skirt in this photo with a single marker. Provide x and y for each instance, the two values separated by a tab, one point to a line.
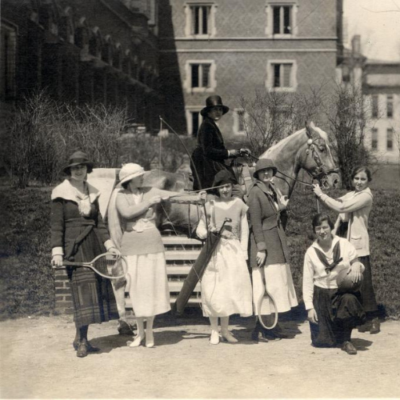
334	310
92	296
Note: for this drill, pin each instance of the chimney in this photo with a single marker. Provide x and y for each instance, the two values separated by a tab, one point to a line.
356	45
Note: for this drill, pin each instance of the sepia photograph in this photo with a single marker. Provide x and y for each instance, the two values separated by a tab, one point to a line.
200	199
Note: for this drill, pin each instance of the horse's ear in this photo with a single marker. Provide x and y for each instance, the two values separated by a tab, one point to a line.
310	129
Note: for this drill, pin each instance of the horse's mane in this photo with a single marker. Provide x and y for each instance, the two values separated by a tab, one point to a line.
276	148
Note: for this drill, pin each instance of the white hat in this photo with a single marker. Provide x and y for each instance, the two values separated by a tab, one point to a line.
129	172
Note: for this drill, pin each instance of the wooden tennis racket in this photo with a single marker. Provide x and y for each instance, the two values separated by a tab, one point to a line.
267	301
107	265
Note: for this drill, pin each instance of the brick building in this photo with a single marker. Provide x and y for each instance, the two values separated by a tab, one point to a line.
92	51
232	47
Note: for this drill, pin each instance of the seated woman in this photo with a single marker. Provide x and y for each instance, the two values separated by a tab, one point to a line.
333	314
226	286
132	220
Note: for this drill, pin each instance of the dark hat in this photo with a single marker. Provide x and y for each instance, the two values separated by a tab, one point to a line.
78	158
264	163
224	177
211	102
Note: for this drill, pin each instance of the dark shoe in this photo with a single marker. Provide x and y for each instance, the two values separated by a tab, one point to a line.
375	326
125	329
82	350
365	327
90	348
349	348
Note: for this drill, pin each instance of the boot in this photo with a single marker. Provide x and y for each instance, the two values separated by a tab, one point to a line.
375	326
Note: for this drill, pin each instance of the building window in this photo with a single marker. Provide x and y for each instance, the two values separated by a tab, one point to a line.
200	19
193	120
389	139
239	121
200	76
389	107
7	62
281	76
375	106
281	19
374	139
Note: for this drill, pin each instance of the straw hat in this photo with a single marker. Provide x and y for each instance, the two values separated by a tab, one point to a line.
130	171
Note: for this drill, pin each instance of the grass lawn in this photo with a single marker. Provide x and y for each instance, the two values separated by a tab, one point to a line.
27	282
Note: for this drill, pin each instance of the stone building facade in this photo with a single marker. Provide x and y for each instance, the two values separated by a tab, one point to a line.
92	51
233	47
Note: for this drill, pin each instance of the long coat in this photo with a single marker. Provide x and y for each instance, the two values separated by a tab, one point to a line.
266	231
208	158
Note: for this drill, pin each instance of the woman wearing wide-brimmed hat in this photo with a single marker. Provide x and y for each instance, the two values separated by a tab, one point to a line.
269	252
211	155
132	216
79	234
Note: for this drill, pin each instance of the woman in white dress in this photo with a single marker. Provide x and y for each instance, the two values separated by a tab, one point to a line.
226	286
132	220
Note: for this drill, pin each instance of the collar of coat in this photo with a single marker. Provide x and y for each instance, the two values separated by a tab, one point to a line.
67	192
263	187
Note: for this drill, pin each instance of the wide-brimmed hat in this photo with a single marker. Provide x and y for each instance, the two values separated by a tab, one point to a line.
264	164
78	158
130	171
223	178
211	102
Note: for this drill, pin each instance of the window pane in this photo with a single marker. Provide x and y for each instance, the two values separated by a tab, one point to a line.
287	71
195	75
389	107
195	122
196	20
389	139
374	139
375	109
277	20
240	121
205	20
206	75
277	80
286	20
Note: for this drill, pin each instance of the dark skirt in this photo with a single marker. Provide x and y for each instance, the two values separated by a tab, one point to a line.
92	295
338	313
367	289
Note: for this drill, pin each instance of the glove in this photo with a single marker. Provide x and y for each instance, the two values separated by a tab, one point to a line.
244	152
234	153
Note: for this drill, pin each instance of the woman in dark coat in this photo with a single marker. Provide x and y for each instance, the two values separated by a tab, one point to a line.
79	234
269	253
211	154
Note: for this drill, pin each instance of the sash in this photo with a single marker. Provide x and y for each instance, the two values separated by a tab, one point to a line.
336	258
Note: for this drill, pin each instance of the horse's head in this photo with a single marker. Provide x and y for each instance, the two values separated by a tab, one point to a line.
316	158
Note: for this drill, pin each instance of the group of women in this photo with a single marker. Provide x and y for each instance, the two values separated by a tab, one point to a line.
252	234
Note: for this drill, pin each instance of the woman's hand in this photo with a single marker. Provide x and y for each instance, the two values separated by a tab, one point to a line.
261	256
355	272
284	200
212	228
312	316
317	190
155	200
203	195
115	251
57	261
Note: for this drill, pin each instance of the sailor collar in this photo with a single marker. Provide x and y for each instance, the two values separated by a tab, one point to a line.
67	192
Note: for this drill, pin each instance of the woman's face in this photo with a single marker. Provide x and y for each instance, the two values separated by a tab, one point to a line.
225	192
323	232
79	172
216	113
266	175
136	183
360	181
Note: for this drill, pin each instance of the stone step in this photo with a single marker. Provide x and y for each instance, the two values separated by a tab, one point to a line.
180	255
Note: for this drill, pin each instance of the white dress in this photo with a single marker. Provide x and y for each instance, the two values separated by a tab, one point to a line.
226	286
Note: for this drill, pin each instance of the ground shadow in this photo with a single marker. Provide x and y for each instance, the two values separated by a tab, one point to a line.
361	344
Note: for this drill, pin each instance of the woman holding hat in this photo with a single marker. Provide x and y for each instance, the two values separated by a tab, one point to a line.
269	253
79	234
226	286
211	155
132	217
354	208
332	313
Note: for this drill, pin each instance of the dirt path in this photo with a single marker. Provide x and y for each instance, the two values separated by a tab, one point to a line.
37	361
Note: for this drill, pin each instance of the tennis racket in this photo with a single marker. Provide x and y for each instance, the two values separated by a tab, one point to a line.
107	265
267	302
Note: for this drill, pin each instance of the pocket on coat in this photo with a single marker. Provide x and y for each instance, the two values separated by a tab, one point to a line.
357	242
